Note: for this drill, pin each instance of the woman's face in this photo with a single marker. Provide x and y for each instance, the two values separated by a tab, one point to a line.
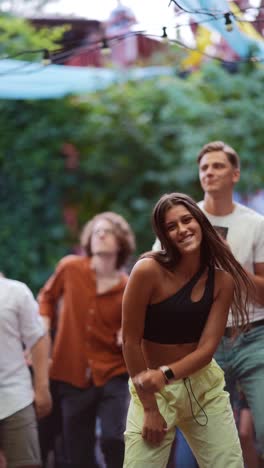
183	230
103	239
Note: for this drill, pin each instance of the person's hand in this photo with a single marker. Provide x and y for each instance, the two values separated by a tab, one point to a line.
43	402
150	381
154	427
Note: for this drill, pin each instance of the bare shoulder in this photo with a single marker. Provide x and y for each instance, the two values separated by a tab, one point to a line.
146	266
146	269
223	280
142	281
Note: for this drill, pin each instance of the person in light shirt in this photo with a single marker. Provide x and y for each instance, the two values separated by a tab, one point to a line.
22	400
242	359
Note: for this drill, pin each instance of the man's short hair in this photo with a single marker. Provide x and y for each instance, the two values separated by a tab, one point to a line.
220	146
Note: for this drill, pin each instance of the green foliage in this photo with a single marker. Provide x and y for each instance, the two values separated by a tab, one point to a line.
135	140
143	139
33	181
18	35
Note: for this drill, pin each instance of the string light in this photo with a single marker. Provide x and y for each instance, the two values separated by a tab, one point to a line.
46	60
228	21
201	11
60	55
102	44
105	47
164	35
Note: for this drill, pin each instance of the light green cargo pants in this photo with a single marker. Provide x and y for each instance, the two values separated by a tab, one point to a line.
211	434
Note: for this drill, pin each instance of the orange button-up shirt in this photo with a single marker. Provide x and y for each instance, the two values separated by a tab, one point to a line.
86	332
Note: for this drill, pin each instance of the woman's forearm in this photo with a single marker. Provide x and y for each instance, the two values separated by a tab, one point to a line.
135	364
191	363
134	358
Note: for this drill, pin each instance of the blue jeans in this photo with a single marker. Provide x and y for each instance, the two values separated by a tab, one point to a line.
242	360
184	457
80	408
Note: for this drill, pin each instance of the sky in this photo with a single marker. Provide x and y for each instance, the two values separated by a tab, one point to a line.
149	13
146	11
154	10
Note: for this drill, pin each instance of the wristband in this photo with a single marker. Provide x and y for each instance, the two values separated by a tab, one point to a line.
168	374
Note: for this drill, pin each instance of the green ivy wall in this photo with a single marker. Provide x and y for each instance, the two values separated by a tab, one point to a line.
134	142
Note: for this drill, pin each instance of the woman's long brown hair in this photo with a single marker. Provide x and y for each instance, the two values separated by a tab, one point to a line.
214	252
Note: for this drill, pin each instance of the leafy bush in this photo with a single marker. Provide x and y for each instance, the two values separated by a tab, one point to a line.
135	142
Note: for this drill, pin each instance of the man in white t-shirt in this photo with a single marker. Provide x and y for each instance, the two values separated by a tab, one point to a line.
21	327
243	358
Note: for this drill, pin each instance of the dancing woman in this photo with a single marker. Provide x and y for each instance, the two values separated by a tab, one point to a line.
175	309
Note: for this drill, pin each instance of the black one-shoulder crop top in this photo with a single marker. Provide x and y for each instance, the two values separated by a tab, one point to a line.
178	319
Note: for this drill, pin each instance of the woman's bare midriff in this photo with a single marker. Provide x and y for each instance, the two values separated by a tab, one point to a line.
157	354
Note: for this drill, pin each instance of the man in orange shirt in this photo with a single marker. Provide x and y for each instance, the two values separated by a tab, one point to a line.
87	366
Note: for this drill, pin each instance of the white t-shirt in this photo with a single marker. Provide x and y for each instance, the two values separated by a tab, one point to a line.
20	323
244	229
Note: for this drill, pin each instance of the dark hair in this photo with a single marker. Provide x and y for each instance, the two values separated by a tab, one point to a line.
213	252
231	154
122	231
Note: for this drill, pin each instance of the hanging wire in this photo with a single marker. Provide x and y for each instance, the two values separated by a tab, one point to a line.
202	11
214	57
60	55
220	14
100	45
23	52
209	11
